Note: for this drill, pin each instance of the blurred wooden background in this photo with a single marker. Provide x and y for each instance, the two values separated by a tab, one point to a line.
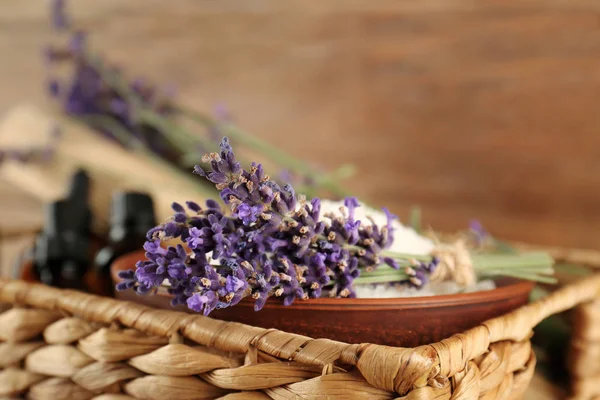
470	109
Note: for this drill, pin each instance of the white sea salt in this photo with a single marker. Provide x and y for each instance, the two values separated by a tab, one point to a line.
406	240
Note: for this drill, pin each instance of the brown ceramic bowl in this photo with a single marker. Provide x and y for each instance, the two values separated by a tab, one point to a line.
402	322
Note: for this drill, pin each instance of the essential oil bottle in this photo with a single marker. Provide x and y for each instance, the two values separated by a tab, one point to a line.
132	216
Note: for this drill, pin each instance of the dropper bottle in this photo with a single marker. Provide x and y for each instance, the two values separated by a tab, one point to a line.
61	254
132	216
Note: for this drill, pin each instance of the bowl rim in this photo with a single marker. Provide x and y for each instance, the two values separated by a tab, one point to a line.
508	288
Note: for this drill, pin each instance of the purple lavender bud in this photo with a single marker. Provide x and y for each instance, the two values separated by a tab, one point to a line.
77	42
281	207
274	244
154	231
351	204
173	229
180	218
351	228
162	265
213	205
390	227
248	214
177	271
129	274
318	261
205	302
125	285
60	21
289	196
315	210
195	239
233	284
391	262
193	206
154	247
228	162
198	170
319	228
430	268
196	302
178	208
260	302
266	193
217	177
422	277
260	172
225	146
352	263
181	253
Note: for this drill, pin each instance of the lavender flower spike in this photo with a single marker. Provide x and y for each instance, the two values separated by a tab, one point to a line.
271	244
60	20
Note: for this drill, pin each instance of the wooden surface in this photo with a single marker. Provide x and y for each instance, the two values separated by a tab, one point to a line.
471	109
20	213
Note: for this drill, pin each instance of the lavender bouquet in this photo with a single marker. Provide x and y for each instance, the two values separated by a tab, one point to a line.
271	242
146	119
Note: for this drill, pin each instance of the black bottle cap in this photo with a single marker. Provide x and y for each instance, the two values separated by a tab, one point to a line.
80	215
61	236
80	187
133	211
56	217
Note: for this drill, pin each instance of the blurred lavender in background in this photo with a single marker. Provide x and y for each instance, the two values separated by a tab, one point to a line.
38	153
144	118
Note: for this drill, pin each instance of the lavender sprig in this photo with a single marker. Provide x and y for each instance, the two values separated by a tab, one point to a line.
269	243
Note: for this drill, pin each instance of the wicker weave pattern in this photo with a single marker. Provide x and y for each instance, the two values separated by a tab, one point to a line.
58	344
584	356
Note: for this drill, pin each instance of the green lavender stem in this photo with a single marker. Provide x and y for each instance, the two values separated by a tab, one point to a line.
415	219
529	266
283	159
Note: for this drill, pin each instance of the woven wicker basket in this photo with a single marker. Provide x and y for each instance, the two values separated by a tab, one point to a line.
584	352
62	344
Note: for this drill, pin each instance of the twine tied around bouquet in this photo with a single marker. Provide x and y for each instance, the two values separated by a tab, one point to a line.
455	264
